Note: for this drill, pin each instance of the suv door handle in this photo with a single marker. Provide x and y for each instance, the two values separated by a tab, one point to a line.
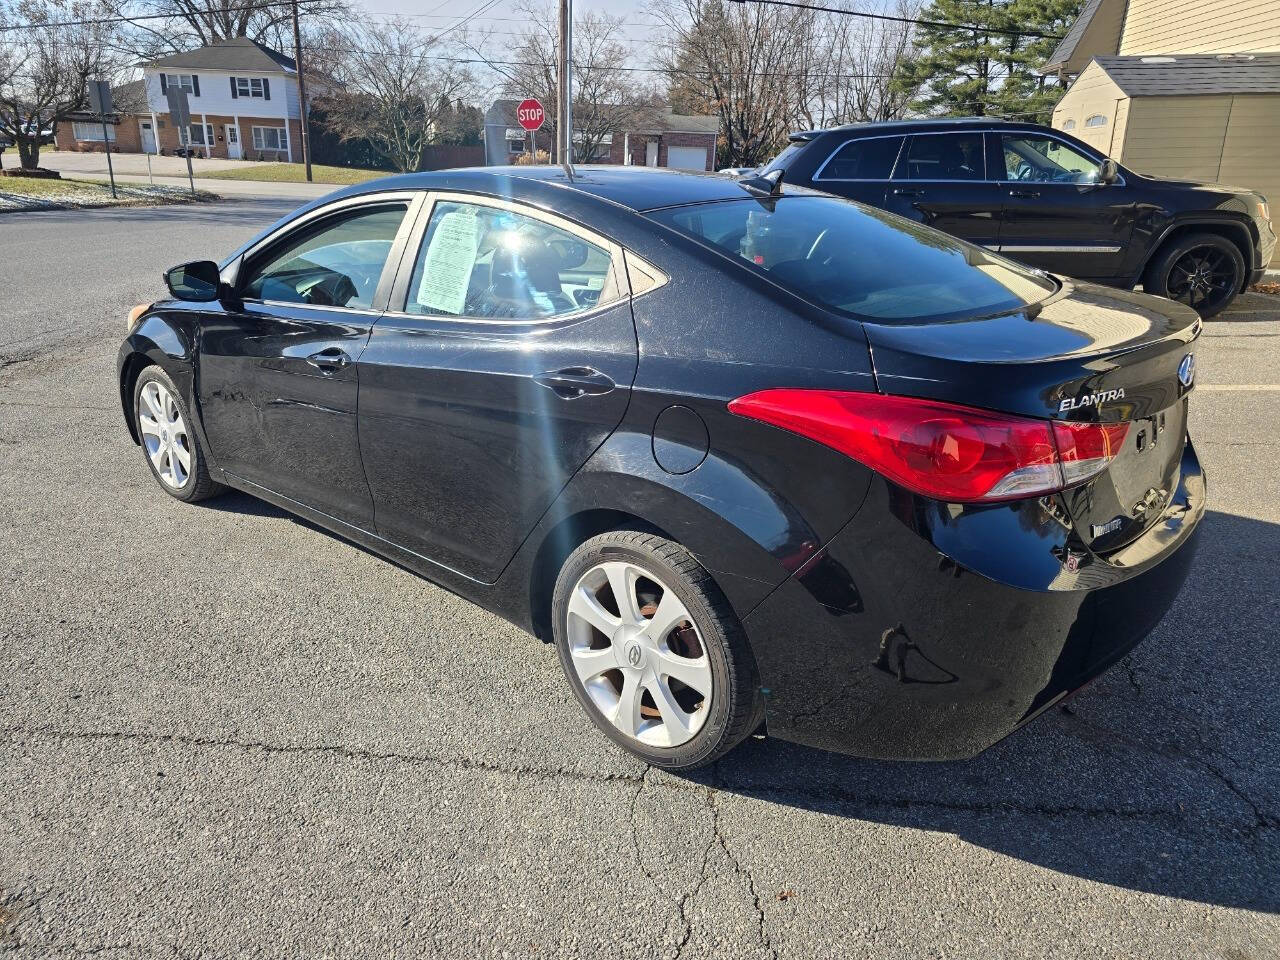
329	360
1025	194
908	192
573	382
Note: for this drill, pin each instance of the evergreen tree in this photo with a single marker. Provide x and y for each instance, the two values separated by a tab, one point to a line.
960	72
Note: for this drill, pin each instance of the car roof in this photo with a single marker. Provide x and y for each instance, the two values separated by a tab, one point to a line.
635	188
906	126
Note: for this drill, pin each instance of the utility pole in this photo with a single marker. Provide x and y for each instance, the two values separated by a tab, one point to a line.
302	92
565	85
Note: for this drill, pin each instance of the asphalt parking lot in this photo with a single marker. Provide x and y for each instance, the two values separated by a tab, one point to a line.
226	732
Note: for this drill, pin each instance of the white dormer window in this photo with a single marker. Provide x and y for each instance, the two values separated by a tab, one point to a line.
1069	125
1097	120
249	87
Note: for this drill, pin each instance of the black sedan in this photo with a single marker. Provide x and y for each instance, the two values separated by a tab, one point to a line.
754	457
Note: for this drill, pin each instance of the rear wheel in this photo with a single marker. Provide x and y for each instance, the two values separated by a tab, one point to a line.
1202	270
653	651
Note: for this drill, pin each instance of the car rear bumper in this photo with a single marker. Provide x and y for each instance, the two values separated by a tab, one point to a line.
930	631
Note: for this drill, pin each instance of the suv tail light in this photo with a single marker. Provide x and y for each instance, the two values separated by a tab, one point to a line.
941	450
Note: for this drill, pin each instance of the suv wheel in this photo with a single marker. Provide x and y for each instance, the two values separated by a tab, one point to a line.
1202	270
653	651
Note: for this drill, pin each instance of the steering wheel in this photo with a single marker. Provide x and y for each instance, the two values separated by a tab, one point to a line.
1024	172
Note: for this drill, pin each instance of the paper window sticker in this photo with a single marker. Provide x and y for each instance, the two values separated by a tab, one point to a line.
451	256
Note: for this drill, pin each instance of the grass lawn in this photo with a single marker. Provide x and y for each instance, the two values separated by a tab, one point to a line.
293	173
31	193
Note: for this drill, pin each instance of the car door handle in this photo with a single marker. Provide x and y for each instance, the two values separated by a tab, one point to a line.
1025	194
908	192
329	360
573	382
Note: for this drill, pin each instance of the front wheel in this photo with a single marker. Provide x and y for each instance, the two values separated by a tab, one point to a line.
168	438
653	651
1202	270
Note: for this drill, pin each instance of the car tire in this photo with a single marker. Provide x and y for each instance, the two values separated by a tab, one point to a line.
1202	270
168	439
651	703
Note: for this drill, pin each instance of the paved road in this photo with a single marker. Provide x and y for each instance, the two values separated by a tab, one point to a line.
226	732
172	172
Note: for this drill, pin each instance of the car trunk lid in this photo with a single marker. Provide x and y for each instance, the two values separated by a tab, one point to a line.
1085	354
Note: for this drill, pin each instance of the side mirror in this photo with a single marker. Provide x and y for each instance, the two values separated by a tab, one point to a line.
198	281
1108	172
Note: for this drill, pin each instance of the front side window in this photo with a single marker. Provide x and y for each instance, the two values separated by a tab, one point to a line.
201	135
860	260
92	131
479	261
335	264
945	156
870	159
1045	160
270	138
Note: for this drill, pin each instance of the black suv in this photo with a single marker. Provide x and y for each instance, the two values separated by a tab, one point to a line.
1043	197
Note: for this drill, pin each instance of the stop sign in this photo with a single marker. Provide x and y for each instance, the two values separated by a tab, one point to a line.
530	114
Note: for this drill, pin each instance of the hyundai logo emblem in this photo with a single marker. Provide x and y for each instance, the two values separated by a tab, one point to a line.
1187	369
633	656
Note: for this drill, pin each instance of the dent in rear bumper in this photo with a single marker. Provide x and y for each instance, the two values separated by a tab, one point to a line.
930	631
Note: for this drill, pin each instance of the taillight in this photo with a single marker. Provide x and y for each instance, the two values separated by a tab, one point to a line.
947	452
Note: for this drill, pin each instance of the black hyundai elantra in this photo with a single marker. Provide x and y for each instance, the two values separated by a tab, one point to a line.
754	458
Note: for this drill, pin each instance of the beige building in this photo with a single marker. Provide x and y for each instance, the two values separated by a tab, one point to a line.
1188	88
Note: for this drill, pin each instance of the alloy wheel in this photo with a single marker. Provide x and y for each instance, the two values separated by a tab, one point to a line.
1203	278
639	654
164	434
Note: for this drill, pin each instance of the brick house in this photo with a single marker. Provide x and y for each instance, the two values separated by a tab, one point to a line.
243	98
665	139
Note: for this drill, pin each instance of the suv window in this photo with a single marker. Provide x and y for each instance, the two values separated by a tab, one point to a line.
859	259
943	156
1045	160
480	261
336	263
870	159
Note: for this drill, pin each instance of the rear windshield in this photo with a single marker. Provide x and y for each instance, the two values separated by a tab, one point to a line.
860	260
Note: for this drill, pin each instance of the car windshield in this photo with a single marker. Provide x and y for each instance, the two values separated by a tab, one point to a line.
863	261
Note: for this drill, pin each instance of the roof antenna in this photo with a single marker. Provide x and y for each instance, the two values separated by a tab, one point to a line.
565	87
767	185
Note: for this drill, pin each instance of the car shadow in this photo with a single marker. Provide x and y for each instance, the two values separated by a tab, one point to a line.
1163	776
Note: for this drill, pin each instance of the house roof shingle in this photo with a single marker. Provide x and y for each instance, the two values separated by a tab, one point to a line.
1188	74
240	53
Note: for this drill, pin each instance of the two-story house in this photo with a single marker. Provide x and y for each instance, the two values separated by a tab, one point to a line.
243	98
1188	89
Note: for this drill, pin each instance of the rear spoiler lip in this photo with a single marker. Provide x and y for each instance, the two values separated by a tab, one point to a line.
803	136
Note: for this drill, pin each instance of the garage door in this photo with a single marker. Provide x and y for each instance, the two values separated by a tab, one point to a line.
687	158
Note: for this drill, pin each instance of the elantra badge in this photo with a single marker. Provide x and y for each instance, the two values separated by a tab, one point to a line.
1091	400
1187	370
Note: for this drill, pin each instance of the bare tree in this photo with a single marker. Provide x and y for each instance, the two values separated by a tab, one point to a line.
750	64
393	87
43	69
174	26
852	74
606	97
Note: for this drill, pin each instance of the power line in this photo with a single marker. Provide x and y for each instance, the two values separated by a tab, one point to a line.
6	28
912	20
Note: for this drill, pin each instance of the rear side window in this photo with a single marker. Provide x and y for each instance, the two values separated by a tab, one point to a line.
860	260
944	156
336	263
870	159
479	261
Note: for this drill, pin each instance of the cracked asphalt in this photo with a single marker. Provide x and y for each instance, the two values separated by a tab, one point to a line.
225	732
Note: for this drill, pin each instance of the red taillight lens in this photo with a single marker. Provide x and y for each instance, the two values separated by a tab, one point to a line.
1085	449
941	450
